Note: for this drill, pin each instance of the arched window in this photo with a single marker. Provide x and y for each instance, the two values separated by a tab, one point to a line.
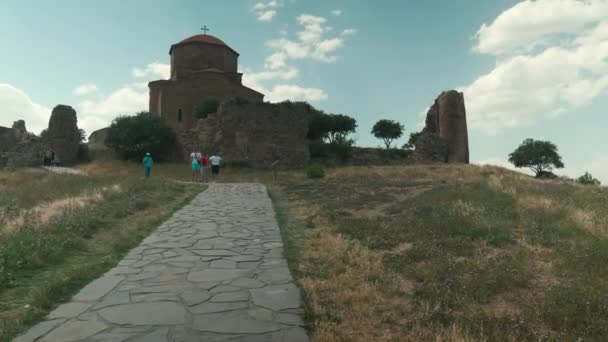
179	115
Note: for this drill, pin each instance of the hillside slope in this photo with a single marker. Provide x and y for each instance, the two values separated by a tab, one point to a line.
447	253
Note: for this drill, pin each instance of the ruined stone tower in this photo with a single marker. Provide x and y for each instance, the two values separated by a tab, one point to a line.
445	137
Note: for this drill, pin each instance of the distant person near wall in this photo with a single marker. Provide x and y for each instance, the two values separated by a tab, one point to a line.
148	162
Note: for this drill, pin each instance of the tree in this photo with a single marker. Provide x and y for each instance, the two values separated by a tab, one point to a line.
133	136
209	106
333	127
411	142
588	179
340	126
540	156
387	130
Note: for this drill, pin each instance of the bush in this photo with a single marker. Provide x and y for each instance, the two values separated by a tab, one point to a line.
546	175
342	148
588	179
133	136
315	171
83	153
318	149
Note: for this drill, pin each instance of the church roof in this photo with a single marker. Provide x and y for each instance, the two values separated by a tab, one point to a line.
202	38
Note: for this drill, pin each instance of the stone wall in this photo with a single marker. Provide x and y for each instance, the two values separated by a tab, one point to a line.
178	101
18	148
257	134
63	135
445	137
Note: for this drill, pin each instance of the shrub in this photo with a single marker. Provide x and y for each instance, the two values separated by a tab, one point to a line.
588	179
83	153
318	149
546	175
315	171
133	136
342	148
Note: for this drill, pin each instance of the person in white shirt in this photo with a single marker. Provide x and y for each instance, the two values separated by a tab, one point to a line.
215	164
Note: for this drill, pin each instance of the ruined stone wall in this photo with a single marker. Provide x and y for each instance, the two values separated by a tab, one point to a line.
445	136
257	134
18	148
63	135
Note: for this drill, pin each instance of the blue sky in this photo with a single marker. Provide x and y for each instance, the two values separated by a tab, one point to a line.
528	69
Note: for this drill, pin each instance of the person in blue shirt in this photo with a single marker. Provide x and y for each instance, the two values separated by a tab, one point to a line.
148	162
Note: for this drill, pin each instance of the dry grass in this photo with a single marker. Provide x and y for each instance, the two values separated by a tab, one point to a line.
66	230
447	253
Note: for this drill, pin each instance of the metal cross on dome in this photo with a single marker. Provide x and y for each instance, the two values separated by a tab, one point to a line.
205	29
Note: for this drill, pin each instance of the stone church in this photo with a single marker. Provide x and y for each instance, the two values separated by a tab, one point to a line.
203	67
244	129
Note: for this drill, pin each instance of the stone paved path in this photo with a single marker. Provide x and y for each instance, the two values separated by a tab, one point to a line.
213	272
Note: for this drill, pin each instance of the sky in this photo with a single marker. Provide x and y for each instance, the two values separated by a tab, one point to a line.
528	69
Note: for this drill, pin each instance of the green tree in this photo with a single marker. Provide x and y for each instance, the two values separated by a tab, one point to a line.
388	131
340	126
588	179
132	136
540	156
331	127
411	142
209	106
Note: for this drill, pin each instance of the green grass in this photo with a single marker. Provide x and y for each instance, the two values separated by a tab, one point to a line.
44	263
487	255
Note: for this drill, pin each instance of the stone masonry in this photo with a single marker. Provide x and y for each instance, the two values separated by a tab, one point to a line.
63	135
257	134
445	137
19	148
213	272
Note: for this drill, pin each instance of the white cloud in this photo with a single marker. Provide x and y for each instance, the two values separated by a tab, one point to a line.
85	89
336	12
536	75
349	32
156	69
266	11
129	98
96	114
282	92
17	105
532	23
295	93
311	42
325	48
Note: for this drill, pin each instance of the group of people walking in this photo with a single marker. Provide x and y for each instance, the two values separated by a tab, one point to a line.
200	164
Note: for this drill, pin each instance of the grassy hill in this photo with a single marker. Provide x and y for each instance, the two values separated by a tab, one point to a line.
447	253
409	253
58	232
